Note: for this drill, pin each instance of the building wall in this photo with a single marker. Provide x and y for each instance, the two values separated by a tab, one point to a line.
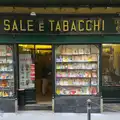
55	10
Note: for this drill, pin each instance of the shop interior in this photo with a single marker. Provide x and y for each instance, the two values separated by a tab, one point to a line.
111	64
35	70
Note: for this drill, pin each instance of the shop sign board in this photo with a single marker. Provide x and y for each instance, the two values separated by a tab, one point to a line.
60	24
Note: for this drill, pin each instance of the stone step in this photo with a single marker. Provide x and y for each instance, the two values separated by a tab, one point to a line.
111	107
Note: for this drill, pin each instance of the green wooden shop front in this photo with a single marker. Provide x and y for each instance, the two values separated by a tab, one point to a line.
62	30
109	93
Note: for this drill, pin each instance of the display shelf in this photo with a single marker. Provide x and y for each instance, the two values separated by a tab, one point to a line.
6	93
73	85
69	54
6	63
7	79
76	61
5	89
66	90
6	56
77	69
75	77
77	84
6	71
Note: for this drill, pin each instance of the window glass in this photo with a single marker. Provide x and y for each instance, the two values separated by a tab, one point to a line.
111	65
77	69
6	71
26	66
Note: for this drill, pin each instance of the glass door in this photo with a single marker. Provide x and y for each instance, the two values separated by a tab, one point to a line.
26	67
27	72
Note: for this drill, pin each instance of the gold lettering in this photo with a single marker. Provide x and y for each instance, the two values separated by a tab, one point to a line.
65	25
96	25
73	27
41	26
30	25
79	25
21	26
58	28
6	25
103	27
88	28
14	27
51	24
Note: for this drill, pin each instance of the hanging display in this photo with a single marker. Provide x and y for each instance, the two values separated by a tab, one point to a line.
32	72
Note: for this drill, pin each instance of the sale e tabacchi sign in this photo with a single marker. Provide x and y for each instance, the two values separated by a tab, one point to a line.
60	24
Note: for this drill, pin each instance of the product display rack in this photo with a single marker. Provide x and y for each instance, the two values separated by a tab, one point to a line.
26	71
77	70
6	71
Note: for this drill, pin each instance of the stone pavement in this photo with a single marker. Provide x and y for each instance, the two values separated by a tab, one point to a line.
49	115
111	107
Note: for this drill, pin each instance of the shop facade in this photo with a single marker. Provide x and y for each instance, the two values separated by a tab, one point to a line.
78	44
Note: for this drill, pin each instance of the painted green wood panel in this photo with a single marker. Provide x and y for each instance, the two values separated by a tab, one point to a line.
67	39
58	39
7	39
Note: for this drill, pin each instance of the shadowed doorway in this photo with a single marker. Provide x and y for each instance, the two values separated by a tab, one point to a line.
35	72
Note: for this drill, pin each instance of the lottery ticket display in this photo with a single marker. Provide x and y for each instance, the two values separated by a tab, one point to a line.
26	71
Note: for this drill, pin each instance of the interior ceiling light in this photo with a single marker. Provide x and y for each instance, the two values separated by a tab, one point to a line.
43	46
106	44
36	46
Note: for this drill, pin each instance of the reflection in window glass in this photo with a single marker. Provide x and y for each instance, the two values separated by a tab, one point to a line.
111	65
26	66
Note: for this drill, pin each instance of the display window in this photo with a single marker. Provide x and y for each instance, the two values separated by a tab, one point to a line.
26	66
77	69
111	64
6	71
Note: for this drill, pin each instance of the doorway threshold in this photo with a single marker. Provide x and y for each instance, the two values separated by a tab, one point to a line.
38	107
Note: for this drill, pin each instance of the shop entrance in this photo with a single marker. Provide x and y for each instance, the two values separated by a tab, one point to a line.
43	70
35	73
